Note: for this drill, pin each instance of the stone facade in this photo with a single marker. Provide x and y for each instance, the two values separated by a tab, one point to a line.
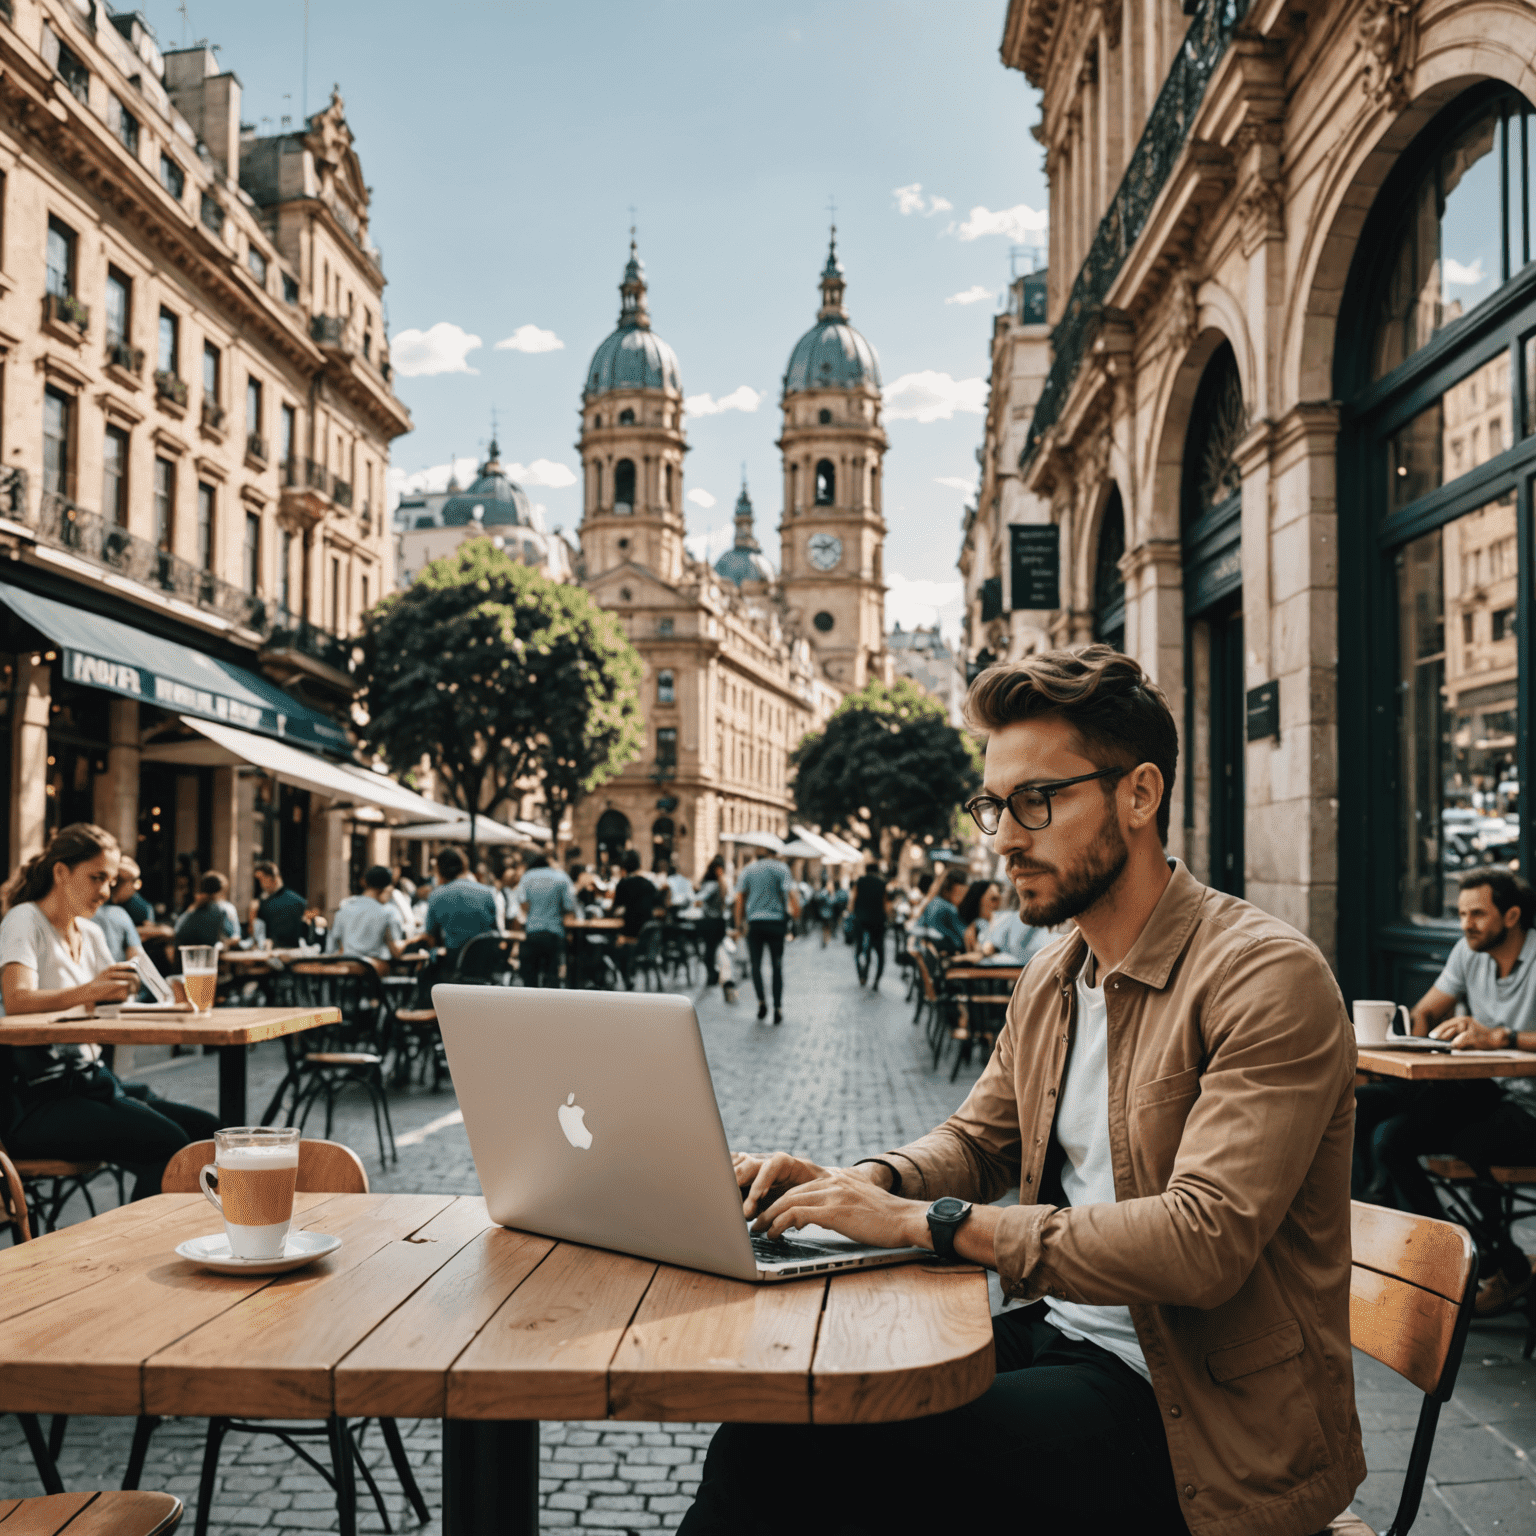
1211	179
195	414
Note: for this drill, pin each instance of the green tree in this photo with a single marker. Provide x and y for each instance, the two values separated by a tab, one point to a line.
499	676
888	758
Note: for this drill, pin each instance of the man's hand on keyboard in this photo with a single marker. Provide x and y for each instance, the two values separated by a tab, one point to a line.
847	1201
763	1176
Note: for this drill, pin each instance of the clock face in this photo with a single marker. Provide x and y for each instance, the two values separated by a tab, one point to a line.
825	550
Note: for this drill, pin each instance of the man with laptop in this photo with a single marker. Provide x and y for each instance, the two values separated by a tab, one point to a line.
1173	1098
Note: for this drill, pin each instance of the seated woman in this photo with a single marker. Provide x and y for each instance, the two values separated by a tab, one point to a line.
64	1102
981	900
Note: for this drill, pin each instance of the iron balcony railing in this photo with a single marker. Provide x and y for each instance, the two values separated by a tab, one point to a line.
256	446
306	474
1157	152
129	359
66	309
13	492
329	331
89	536
168	386
341	491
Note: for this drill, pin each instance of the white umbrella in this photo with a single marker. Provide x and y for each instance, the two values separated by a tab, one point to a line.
800	849
486	832
766	840
824	850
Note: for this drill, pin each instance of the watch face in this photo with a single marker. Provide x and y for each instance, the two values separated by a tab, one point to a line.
825	550
947	1208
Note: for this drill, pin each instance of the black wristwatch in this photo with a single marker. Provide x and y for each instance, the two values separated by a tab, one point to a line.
945	1216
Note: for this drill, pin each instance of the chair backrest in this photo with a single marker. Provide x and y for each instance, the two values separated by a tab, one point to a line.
1411	1285
483	957
13	1201
926	958
325	1168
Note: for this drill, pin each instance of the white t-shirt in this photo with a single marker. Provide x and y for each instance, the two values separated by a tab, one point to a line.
1088	1175
28	938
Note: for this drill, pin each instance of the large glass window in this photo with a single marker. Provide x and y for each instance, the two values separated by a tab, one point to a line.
57	410
252	552
206	507
170	343
624	487
118	307
165	502
114	476
1467	425
60	278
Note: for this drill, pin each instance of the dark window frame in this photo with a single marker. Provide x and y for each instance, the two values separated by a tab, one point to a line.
114	488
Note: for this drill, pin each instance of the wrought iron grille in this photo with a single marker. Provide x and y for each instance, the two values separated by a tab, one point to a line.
1157	151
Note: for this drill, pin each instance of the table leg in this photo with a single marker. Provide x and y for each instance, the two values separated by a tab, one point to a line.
232	1085
490	1477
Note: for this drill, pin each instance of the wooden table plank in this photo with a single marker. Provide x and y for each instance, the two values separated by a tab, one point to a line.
546	1352
273	1355
222	1026
900	1343
401	1368
709	1349
1437	1066
46	1516
82	1351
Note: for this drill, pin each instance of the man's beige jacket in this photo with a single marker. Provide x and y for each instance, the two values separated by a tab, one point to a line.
1231	1117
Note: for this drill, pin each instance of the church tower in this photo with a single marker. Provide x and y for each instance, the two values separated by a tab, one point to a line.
833	532
632	444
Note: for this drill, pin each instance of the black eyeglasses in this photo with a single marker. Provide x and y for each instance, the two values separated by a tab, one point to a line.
1030	804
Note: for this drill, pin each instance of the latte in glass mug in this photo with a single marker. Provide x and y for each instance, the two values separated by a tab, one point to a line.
252	1179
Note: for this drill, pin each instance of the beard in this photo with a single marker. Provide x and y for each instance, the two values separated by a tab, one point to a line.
1491	939
1078	888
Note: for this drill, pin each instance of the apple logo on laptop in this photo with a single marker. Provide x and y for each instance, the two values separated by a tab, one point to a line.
574	1123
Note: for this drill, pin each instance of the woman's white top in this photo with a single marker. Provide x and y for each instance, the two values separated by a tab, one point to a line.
28	938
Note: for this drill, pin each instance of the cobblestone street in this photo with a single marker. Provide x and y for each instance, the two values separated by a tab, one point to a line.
844	1076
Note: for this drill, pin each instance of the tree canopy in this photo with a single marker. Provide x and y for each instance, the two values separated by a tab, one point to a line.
500	677
889	759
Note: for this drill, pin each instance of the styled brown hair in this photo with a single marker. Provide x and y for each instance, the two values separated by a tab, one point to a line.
1112	706
73	845
1505	887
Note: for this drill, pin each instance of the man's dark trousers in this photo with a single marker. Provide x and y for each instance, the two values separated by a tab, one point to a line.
762	935
1067	1438
869	938
542	955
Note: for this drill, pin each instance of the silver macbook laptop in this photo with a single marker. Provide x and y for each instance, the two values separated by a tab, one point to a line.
592	1118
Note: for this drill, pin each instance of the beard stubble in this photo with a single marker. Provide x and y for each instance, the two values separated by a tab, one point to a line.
1079	887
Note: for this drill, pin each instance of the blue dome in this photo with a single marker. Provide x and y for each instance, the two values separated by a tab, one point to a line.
632	358
739	565
831	355
502	502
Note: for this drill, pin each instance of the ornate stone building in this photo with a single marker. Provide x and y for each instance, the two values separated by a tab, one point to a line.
731	681
196	410
1293	306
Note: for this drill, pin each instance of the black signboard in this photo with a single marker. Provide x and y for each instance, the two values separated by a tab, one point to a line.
1264	711
1035	550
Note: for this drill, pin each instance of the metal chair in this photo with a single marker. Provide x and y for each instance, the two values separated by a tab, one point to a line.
325	1167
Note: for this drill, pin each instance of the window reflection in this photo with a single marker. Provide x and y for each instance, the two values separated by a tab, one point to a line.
1468	231
1468	424
1458	692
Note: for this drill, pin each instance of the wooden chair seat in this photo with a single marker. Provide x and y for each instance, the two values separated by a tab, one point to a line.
416	1015
325	1168
1454	1168
1347	1524
92	1514
344	1058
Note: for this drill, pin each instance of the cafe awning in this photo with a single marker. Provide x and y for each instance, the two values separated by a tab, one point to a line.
99	652
487	833
822	849
341	784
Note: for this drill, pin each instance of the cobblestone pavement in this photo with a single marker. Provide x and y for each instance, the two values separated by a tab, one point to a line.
844	1076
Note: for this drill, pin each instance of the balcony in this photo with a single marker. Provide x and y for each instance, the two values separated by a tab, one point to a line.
330	331
213	418
13	493
170	390
61	524
126	359
65	313
306	489
341	492
256	448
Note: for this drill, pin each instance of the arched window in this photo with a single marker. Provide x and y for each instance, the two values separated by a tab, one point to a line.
624	487
663	836
626	418
668	478
1435	470
612	835
597	484
826	483
824	417
1108	584
666	687
794	487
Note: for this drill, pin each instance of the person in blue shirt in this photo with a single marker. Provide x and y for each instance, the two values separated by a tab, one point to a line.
279	908
460	907
115	920
941	914
765	902
207	920
544	898
369	925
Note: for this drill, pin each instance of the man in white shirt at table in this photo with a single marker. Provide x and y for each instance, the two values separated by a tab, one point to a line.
369	925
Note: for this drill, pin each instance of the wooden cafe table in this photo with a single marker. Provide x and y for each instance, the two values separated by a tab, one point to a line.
429	1310
230	1029
1446	1066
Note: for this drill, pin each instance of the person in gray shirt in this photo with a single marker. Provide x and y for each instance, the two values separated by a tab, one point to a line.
369	925
1484	999
765	902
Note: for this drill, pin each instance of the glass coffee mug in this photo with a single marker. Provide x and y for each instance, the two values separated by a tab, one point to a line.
252	1178
200	974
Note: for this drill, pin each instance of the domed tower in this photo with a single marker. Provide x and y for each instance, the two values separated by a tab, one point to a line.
744	561
833	533
632	444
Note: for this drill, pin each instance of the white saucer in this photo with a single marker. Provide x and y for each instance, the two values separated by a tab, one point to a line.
212	1252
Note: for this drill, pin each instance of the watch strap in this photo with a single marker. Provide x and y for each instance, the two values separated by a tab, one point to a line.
895	1171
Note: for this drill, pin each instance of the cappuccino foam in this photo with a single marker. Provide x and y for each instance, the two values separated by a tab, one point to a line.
259	1158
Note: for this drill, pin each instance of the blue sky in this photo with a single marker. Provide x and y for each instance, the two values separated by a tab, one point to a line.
506	143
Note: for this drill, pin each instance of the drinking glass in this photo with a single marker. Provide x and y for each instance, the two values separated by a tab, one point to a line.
200	974
251	1180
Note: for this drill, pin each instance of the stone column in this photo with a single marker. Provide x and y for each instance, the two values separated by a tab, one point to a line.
1154	635
116	792
29	759
327	856
224	854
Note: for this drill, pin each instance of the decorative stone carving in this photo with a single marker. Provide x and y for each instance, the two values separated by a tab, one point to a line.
1389	38
1262	211
1181	321
1112	11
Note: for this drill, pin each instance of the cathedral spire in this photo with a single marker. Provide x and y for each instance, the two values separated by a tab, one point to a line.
632	311
832	284
745	537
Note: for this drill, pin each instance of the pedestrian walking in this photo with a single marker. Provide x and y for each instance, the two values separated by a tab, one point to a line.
544	898
871	908
765	902
712	925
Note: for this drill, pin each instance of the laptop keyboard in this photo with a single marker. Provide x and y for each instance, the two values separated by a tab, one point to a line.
780	1250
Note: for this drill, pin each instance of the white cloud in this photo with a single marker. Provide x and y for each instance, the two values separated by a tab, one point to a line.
955	483
1022	224
399	482
441	349
542	472
911	200
701	498
529	338
1459	276
914	603
972	295
930	396
742	398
